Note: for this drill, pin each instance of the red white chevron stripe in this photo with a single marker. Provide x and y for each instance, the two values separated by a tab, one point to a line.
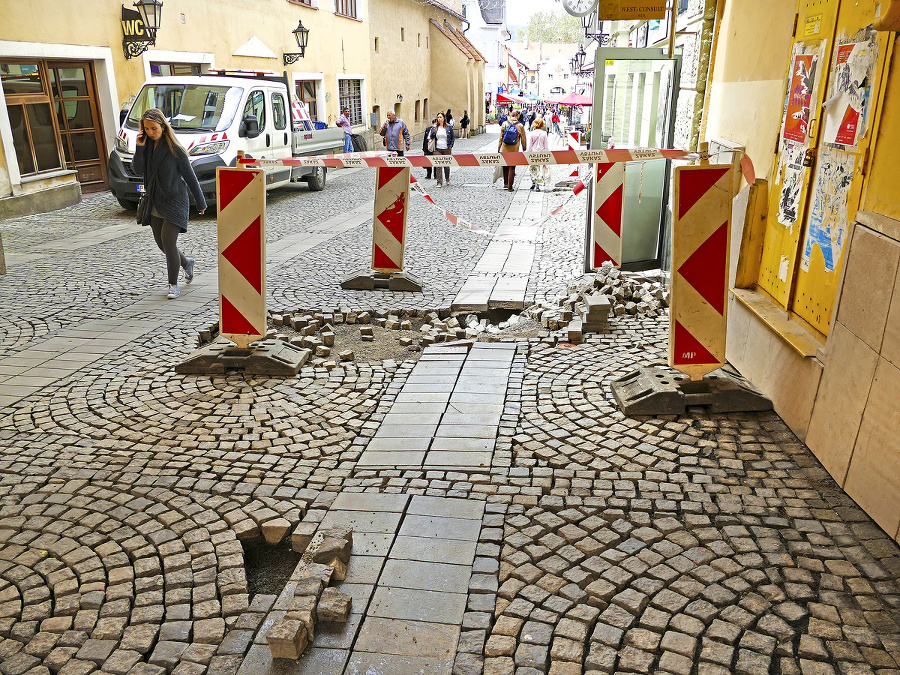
241	198
608	204
391	208
491	159
700	250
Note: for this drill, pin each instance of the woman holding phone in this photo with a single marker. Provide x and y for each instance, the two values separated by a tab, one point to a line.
168	175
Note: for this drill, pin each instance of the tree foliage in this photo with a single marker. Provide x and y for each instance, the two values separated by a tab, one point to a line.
551	27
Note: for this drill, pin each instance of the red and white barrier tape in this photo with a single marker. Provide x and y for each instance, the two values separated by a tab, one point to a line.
551	157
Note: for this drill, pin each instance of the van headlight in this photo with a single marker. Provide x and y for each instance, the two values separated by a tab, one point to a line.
210	148
121	145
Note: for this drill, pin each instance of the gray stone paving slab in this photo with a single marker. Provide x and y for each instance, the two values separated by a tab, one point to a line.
454	552
406	430
370	543
439	527
362	663
457	460
394	444
363	521
409	604
398	459
368	501
422	505
466	431
406	638
313	661
467	444
425	575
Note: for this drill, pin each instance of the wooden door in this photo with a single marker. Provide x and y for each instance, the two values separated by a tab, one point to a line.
74	93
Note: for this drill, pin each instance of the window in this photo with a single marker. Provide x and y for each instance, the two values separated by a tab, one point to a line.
425	110
305	3
159	69
279	112
306	92
350	94
345	8
402	35
416	118
419	40
35	134
256	105
376	45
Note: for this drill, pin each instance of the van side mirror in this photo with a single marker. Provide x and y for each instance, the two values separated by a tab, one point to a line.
249	127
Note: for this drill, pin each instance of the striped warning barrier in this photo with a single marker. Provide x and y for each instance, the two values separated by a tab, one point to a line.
700	249
241	198
391	208
609	188
550	157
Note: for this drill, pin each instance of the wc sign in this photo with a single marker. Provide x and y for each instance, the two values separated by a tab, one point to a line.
135	39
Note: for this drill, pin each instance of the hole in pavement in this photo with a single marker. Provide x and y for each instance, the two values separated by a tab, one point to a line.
268	567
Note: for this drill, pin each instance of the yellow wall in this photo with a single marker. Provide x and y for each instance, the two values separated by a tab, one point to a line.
881	194
748	83
336	44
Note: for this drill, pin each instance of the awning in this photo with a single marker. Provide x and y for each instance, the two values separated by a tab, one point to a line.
509	99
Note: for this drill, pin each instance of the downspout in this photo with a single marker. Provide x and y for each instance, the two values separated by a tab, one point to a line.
705	70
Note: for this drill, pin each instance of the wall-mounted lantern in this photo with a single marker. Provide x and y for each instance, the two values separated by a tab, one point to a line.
301	33
139	27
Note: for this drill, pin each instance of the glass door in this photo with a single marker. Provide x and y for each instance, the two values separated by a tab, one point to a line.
634	107
78	117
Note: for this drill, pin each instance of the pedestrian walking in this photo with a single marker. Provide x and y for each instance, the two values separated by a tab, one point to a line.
464	125
512	137
168	175
344	123
393	130
537	142
449	117
555	121
428	144
443	137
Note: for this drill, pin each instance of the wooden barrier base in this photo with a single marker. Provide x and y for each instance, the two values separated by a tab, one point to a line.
370	280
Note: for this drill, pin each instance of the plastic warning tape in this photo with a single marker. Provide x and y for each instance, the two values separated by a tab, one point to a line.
551	157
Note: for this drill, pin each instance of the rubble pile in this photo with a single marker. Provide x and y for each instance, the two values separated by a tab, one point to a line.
586	304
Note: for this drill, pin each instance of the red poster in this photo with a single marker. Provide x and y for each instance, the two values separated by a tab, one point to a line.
843	53
803	77
846	134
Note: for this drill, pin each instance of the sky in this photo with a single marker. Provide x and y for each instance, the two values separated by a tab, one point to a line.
519	11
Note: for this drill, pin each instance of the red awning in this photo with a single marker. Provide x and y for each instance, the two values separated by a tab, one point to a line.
510	99
573	99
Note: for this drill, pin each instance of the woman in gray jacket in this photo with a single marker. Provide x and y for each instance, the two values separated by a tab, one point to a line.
168	174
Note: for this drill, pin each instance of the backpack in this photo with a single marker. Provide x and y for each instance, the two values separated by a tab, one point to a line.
511	135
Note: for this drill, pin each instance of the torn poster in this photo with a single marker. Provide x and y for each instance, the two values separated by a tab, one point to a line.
827	223
846	111
790	168
803	80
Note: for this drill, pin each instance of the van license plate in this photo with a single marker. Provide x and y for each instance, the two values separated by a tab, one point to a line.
140	188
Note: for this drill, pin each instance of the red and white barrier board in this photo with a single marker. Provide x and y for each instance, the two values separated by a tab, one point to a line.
241	198
389	228
609	189
700	251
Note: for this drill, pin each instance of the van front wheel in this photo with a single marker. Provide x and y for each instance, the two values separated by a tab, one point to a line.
127	204
316	180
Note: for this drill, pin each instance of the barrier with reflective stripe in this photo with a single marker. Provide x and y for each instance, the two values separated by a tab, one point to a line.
389	228
241	220
700	251
609	187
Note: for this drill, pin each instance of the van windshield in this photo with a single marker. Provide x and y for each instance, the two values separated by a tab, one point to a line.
188	107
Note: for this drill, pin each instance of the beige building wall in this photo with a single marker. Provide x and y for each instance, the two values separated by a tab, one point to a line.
840	397
450	73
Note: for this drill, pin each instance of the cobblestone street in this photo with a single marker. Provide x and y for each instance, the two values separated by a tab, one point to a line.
507	519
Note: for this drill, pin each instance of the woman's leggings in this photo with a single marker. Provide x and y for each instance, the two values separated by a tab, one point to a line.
166	235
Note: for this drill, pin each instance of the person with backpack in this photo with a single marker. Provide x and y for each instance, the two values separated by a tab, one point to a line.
428	147
464	125
512	137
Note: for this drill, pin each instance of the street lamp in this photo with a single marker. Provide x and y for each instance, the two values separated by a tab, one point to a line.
301	34
579	58
151	15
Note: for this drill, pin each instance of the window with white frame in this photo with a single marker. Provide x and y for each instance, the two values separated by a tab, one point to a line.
345	8
350	94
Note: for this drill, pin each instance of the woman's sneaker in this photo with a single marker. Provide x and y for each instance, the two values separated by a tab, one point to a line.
173	292
189	271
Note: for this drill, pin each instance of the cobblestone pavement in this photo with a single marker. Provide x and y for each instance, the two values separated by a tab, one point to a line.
588	543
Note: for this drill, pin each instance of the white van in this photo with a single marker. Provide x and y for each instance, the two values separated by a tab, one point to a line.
214	116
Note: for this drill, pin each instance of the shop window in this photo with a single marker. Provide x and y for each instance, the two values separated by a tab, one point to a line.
29	106
160	69
345	8
350	94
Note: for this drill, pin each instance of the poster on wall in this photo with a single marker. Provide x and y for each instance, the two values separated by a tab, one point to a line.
846	111
790	167
803	81
827	226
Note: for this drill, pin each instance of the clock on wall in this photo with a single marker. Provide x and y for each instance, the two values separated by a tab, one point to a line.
580	7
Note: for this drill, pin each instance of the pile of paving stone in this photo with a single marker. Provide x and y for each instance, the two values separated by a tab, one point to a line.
591	300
